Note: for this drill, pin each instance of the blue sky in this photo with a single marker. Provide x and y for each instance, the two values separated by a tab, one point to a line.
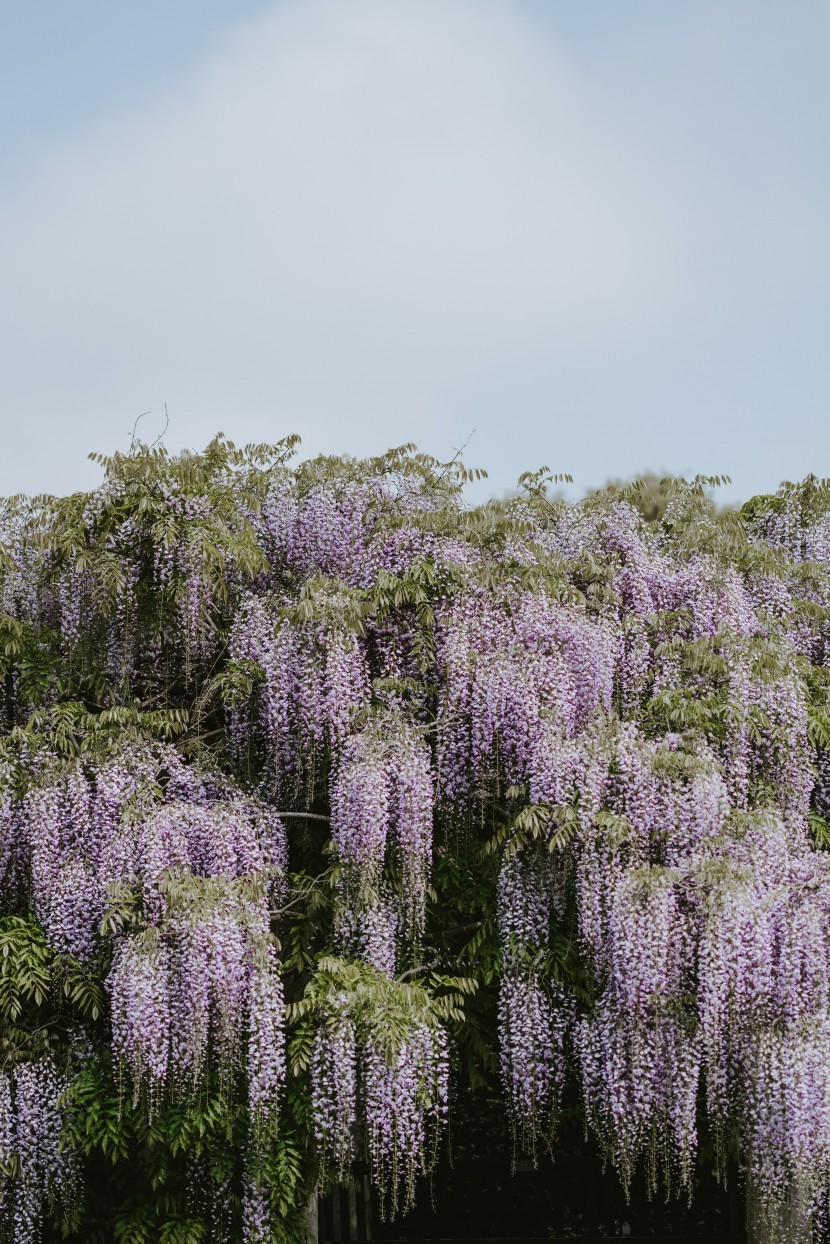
597	232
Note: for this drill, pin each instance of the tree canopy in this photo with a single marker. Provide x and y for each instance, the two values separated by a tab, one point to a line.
327	797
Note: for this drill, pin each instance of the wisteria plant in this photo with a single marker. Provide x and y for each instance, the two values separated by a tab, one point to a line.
326	796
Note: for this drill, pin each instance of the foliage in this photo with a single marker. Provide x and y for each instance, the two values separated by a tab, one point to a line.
326	797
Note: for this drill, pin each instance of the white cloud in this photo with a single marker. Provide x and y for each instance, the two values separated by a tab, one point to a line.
351	211
357	220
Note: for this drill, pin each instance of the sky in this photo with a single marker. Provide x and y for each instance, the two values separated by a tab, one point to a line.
587	234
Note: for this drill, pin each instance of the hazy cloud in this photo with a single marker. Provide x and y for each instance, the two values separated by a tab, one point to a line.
349	217
348	210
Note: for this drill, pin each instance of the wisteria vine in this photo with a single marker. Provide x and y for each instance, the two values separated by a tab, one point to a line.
252	712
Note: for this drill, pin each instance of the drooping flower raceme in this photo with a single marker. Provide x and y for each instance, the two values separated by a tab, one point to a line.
31	1119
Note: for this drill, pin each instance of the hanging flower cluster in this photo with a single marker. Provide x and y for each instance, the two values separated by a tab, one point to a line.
200	982
381	799
197	867
533	1016
515	676
379	1087
31	1118
201	987
334	1089
314	681
83	831
404	1102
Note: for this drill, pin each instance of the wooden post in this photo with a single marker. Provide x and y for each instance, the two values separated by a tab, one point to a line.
352	1212
311	1218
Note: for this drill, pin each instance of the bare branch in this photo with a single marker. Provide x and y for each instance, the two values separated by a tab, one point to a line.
164	429
143	415
457	455
419	970
307	816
